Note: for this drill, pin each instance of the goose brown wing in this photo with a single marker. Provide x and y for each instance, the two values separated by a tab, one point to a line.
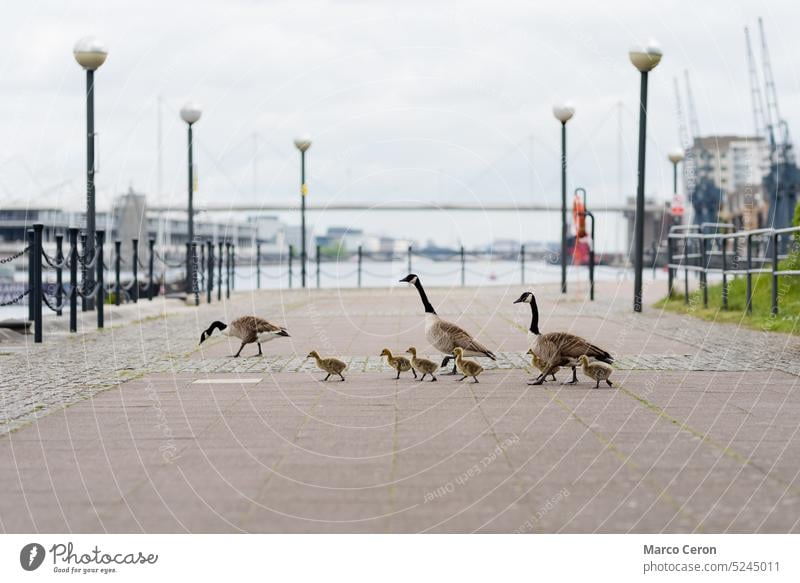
572	346
462	338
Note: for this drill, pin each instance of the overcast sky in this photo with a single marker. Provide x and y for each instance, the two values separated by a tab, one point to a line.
405	100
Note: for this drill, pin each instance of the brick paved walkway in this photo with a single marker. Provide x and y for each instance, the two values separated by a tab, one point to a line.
137	428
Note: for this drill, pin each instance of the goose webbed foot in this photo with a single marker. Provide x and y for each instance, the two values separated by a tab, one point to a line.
574	379
538	380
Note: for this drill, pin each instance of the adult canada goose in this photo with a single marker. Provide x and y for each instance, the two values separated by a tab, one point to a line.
329	365
558	348
469	368
398	363
425	366
248	329
443	335
597	371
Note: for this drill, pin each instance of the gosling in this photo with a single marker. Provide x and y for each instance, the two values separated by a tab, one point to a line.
329	365
597	370
425	366
469	368
540	364
399	363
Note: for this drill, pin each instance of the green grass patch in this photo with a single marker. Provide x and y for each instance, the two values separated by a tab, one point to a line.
787	320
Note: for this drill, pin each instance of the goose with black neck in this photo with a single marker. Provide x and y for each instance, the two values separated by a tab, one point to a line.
445	336
557	349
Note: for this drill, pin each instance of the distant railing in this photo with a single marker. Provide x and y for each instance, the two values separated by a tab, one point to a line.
761	250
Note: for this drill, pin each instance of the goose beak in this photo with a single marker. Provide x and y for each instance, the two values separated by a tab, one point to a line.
519	300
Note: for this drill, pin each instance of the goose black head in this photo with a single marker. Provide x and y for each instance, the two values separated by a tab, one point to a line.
216	325
410	278
525	298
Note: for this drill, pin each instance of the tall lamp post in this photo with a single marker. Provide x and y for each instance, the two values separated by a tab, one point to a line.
563	113
303	143
645	59
190	113
90	53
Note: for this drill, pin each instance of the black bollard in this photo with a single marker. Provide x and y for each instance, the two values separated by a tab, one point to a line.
360	256
117	264
135	288
100	237
59	273
291	254
219	273
227	270
73	279
195	287
463	268
210	267
317	257
258	264
151	243
31	264
37	283
522	264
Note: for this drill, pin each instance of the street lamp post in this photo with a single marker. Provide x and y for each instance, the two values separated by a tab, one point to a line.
303	143
676	157
645	60
563	113
190	113
90	53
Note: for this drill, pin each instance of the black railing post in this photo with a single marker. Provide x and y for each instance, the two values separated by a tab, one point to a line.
686	249
86	260
188	285
151	243
774	308
219	271
31	265
591	261
73	279
409	258
210	267
703	274
117	262
291	254
195	287
317	258
100	237
233	266
463	268
227	270
201	266
724	275
59	273
360	258
258	264
522	264
670	271
135	289
749	283
37	283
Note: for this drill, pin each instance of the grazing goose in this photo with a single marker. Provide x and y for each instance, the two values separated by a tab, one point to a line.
329	365
540	364
443	335
399	363
248	329
469	368
597	371
558	348
425	366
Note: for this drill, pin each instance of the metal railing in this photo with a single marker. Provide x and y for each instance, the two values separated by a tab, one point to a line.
742	253
56	296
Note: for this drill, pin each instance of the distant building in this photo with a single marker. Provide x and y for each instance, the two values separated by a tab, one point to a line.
728	177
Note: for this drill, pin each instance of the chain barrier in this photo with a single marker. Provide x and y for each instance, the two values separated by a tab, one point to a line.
51	261
89	295
92	263
11	258
167	263
58	307
16	299
339	275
